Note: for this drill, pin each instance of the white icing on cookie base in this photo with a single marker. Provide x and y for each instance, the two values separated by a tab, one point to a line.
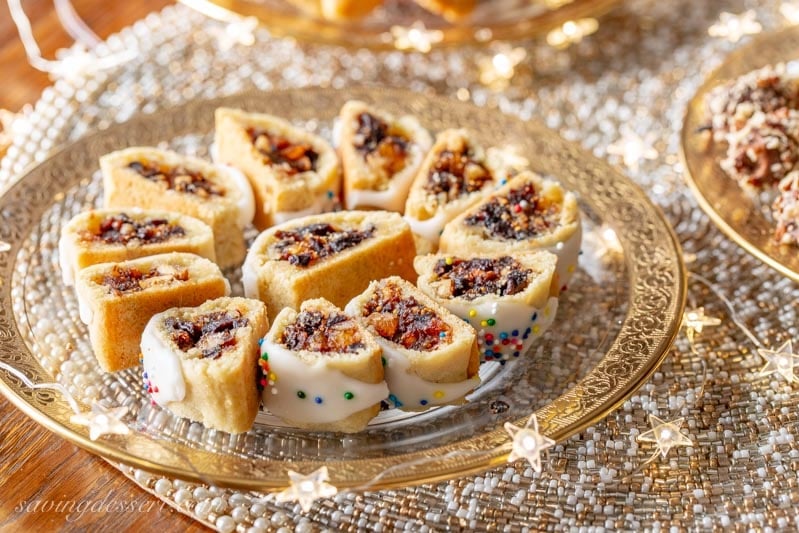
568	253
163	373
313	394
249	280
390	199
66	261
429	229
412	392
505	330
246	203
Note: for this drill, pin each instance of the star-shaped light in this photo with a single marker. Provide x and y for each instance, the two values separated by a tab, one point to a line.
102	420
695	321
528	443
496	70
733	27
633	148
782	361
415	37
240	31
571	32
790	11
75	62
665	435
306	489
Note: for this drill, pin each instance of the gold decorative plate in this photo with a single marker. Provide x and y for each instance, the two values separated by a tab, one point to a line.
614	326
387	24
737	214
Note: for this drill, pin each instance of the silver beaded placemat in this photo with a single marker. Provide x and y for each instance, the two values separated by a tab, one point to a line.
621	93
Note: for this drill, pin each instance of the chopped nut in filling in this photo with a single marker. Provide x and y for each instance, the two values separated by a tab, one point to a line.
212	333
123	280
522	214
764	151
766	90
786	210
316	331
122	229
472	278
405	321
178	179
455	174
308	245
292	158
384	149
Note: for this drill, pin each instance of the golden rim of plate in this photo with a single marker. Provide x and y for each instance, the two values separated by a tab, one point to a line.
731	209
657	292
352	33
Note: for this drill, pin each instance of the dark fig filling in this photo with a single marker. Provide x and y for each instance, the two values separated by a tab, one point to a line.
456	174
124	279
316	331
405	321
472	278
310	244
122	229
384	149
178	179
292	158
520	215
212	333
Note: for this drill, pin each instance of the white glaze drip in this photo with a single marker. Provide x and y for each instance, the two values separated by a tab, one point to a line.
246	202
289	375
249	280
411	391
390	199
568	253
429	229
66	260
162	366
85	312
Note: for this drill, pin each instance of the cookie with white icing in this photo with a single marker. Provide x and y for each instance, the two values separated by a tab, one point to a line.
332	256
112	235
509	300
118	299
201	362
323	370
431	355
528	213
380	155
453	177
151	178
293	173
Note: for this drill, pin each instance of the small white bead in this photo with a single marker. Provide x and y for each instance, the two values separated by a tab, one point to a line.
225	524
240	514
182	496
218	505
202	509
162	487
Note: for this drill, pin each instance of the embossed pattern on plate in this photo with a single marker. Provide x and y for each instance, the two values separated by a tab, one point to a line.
738	215
623	311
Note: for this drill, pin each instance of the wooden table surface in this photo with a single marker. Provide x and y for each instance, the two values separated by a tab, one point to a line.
42	476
